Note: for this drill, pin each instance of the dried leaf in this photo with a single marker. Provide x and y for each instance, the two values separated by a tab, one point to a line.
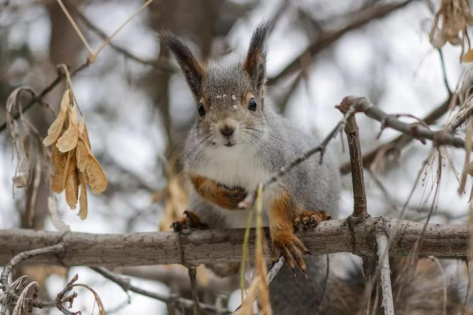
68	140
61	164
82	155
72	185
96	176
56	127
22	177
83	198
57	222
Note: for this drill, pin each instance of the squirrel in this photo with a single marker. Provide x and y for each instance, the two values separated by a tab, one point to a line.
239	140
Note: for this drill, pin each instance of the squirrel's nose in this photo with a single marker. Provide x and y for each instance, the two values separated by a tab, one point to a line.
227	130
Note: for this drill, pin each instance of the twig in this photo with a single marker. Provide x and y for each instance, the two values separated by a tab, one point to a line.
109	39
126	53
444	72
76	28
10	294
38	98
195	296
359	194
400	141
385	271
443	137
60	300
125	284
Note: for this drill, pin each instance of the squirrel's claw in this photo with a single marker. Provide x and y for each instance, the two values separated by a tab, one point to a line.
293	251
189	221
308	220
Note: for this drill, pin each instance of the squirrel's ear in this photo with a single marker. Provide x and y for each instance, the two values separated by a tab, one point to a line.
191	68
255	63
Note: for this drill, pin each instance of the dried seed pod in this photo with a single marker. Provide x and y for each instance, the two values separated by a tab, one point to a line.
61	163
72	184
97	180
56	127
83	197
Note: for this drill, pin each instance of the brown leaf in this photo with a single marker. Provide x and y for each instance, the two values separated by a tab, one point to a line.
68	140
72	185
82	155
56	127
83	198
97	179
61	164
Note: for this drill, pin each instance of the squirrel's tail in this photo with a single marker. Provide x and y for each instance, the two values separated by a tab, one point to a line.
430	289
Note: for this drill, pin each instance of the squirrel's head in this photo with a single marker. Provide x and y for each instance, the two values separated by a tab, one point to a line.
229	99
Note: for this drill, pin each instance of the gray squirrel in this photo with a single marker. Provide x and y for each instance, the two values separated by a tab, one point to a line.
238	141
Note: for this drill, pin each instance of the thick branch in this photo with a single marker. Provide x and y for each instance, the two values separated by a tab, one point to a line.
213	246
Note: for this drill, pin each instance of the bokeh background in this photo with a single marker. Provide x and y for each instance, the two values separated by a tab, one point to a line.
138	109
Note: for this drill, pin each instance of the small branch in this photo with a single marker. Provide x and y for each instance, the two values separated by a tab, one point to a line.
20	257
38	98
359	194
443	137
385	271
127	286
400	141
163	67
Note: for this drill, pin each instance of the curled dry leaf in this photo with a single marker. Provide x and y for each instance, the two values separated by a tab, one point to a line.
56	127
57	222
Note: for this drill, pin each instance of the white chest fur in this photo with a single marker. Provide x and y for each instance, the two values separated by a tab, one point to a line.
237	166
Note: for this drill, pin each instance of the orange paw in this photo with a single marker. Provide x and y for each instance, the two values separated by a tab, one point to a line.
190	220
287	244
310	219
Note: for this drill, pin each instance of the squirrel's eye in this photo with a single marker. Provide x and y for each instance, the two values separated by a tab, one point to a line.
252	104
201	110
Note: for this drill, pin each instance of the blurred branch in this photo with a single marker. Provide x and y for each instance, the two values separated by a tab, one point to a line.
160	66
214	246
169	299
360	19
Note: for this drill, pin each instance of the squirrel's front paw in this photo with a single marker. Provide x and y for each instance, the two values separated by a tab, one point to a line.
287	244
310	219
190	220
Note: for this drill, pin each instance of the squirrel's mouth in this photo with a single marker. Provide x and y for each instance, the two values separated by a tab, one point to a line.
229	144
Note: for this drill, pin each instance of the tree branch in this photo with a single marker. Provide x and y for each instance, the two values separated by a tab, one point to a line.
400	141
213	246
127	286
362	18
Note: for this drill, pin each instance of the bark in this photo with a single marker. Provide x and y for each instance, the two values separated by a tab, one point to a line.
197	247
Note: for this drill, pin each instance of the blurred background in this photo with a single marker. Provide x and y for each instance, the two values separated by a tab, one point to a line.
138	110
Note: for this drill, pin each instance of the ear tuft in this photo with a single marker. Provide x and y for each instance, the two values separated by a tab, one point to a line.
255	63
191	68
